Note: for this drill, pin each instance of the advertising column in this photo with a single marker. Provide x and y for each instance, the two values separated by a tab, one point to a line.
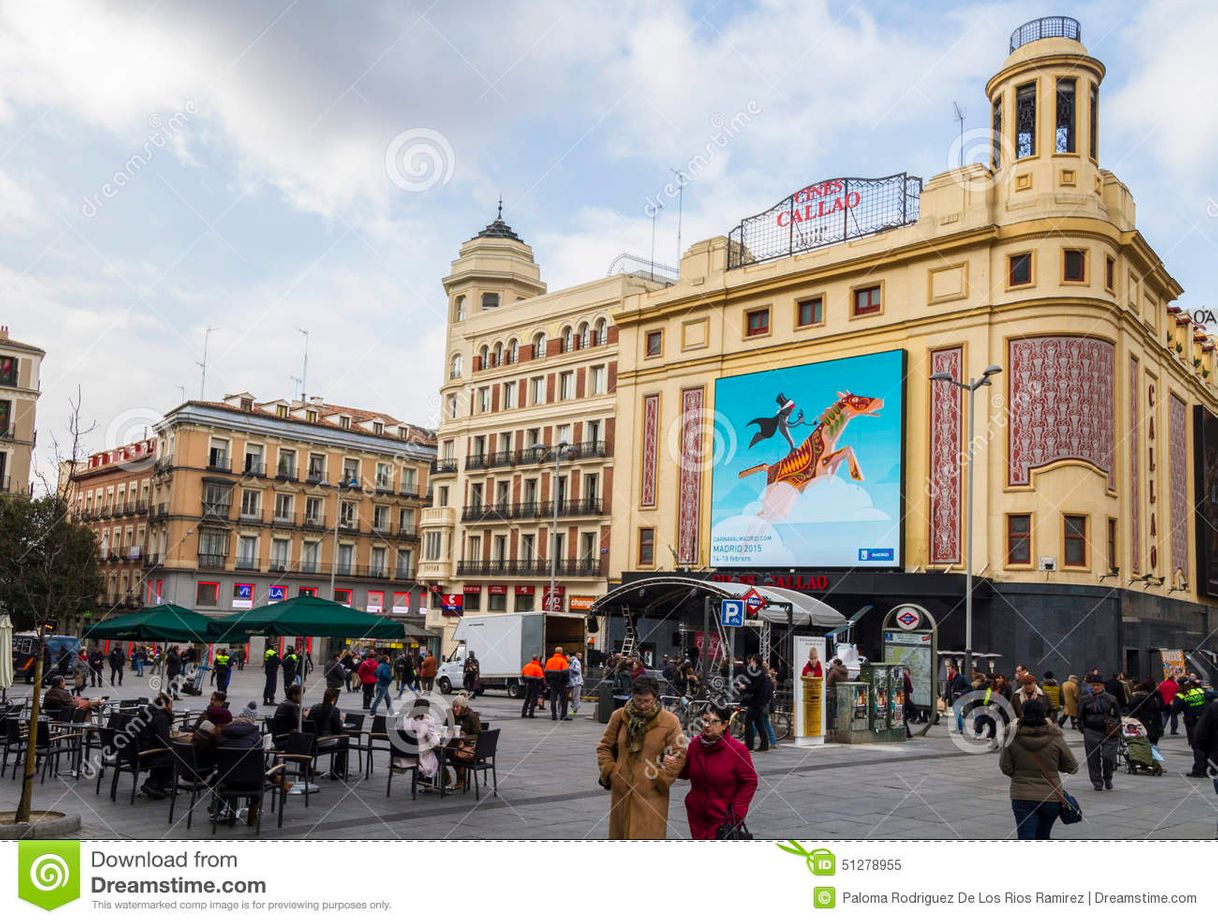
809	694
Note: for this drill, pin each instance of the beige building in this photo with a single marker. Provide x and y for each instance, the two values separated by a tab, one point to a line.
19	389
239	502
1086	483
527	436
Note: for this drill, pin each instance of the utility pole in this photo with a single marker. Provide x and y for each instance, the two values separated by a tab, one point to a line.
654	213
203	365
680	207
960	119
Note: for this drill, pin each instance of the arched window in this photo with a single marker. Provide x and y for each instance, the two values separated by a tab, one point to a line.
459	308
602	332
513	351
454	366
583	336
484	355
498	354
539	346
566	340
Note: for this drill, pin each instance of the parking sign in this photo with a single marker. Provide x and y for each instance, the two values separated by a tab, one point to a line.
731	614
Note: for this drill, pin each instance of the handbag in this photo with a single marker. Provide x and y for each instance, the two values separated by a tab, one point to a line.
732	830
1069	811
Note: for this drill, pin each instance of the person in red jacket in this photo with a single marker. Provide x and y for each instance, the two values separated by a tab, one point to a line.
721	776
367	677
1168	688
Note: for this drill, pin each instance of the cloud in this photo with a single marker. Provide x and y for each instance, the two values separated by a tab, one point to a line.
829	500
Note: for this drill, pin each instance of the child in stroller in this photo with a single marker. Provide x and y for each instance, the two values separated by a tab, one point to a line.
1135	751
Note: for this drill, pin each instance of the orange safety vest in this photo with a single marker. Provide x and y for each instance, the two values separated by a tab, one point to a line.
557	663
532	669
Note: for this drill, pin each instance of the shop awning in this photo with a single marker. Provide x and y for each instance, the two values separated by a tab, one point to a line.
666	596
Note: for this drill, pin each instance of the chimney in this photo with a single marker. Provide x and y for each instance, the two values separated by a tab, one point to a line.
4	332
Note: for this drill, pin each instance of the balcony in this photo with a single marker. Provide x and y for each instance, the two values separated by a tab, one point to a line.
410	491
309	567
403	574
218	462
162	511
532	510
408	534
443	466
476	461
536	567
316	476
437	516
284	519
217	511
211	561
348	526
286	472
152	561
479	512
254	468
250	516
141	508
279	566
317	522
246	564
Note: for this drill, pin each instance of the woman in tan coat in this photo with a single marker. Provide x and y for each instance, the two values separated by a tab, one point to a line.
639	756
1070	702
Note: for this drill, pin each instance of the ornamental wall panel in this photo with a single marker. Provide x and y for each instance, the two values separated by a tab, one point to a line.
1178	440
1135	477
946	419
649	448
1061	404
689	501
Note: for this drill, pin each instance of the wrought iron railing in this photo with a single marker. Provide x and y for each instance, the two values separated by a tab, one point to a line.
1046	27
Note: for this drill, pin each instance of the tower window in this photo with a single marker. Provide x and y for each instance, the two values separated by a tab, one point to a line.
757	322
1064	135
1093	119
1019	272
655	342
459	308
1025	121
867	301
1019	539
489	300
996	135
1076	541
1074	266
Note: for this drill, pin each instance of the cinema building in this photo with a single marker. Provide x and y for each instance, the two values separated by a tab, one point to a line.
777	423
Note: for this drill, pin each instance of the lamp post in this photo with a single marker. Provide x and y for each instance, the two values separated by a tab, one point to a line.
558	451
338	495
971	387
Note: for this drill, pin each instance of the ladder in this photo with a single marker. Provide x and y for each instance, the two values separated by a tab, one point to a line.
630	636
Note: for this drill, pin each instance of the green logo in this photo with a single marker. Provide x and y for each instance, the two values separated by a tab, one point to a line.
821	862
48	872
824	897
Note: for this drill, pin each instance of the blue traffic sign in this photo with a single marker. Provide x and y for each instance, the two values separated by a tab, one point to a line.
731	614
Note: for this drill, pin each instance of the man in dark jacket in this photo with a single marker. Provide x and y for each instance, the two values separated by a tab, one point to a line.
117	659
270	665
1192	706
1205	740
1099	716
291	667
155	734
97	661
287	716
756	691
328	726
335	672
1028	690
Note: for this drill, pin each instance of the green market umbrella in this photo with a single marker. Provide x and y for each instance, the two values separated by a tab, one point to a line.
164	623
305	615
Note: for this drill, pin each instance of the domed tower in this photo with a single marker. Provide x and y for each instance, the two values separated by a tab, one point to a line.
1044	112
494	268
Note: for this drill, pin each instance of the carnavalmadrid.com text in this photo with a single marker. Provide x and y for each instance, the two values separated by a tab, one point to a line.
979	898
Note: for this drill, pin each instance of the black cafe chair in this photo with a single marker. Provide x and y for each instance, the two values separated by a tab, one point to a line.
121	752
378	739
411	749
189	773
485	747
297	749
241	773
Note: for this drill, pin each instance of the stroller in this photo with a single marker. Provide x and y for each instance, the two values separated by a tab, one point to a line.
1135	751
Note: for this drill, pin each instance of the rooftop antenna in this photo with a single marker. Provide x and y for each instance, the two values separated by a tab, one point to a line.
680	207
960	119
182	389
304	373
654	213
203	365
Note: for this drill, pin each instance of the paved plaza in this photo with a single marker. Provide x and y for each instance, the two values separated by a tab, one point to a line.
925	788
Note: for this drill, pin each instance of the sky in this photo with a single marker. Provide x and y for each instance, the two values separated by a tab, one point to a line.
261	168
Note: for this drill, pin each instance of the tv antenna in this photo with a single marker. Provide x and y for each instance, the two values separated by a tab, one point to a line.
680	207
203	365
654	213
304	373
960	118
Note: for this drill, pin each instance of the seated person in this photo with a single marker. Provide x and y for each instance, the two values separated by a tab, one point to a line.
58	697
469	724
418	726
217	711
287	716
244	731
204	739
328	721
156	734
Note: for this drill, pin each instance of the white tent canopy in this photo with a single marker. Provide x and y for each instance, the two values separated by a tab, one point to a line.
659	593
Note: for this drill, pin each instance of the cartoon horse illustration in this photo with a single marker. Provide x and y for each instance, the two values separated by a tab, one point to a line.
817	456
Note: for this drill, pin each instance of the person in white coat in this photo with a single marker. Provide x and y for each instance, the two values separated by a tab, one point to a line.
576	683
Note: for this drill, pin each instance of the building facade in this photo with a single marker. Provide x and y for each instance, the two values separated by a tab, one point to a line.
527	435
238	503
20	366
823	319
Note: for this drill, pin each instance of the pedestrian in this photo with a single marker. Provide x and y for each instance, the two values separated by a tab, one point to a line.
558	678
1115	685
1168	688
1053	690
138	657
348	661
427	672
1099	716
640	754
80	673
367	678
97	661
1028	691
223	671
471	670
290	665
1033	758
721	776
756	690
531	676
1192	706
383	678
576	684
335	674
117	660
1070	695
63	663
270	667
1205	740
1146	707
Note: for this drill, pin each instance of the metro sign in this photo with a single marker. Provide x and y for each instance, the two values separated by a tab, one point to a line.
908	619
754	602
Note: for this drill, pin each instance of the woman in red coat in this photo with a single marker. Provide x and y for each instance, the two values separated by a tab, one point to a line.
720	771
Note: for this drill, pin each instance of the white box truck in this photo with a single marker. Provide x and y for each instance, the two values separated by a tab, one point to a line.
503	643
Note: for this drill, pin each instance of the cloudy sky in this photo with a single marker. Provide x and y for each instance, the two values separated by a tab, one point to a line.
261	167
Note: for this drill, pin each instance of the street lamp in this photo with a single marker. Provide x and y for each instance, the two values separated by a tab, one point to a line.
558	451
347	484
971	387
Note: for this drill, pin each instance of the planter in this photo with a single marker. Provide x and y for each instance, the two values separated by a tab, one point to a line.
42	825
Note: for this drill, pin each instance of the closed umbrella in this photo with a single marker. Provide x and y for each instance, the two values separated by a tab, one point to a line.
6	655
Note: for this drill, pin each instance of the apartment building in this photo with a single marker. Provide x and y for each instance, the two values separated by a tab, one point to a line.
526	442
19	377
256	501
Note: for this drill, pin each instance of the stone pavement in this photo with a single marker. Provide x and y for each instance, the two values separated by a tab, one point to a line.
925	788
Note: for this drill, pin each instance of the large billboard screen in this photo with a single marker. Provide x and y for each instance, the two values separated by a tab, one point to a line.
1205	448
807	465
